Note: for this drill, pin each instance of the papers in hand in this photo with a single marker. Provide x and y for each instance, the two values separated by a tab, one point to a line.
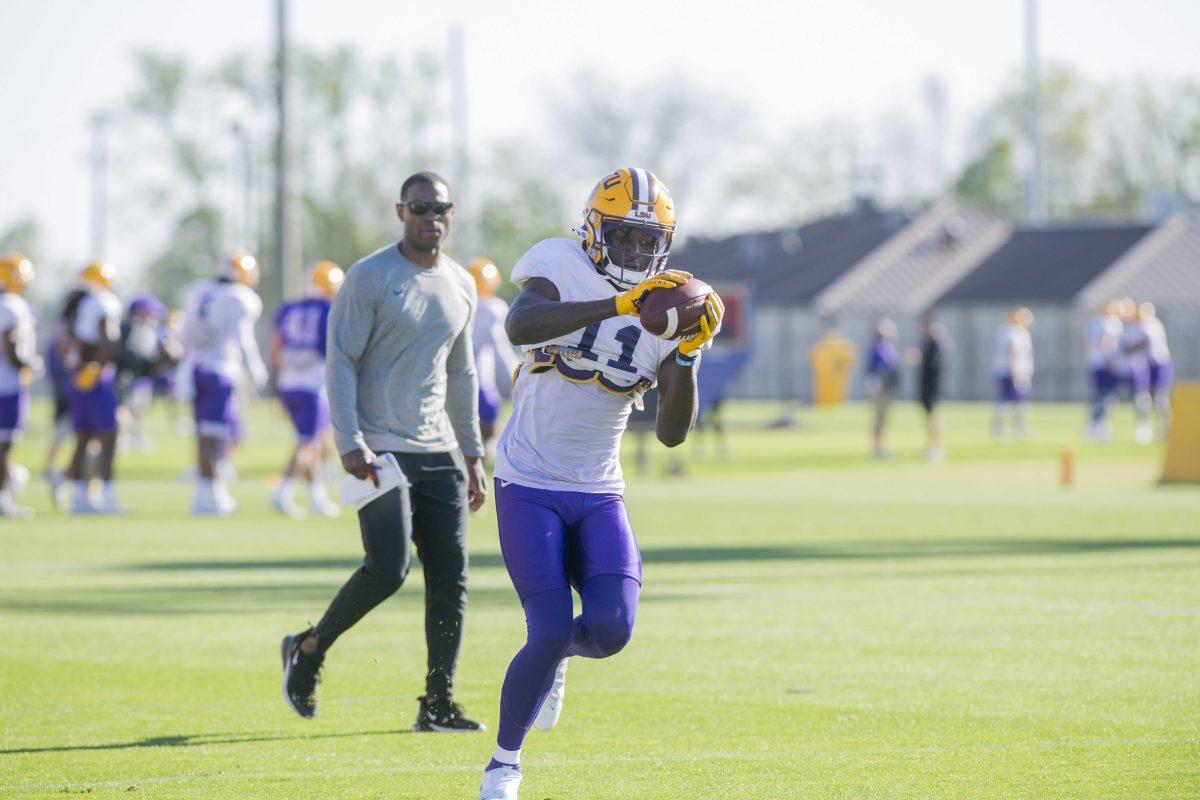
358	493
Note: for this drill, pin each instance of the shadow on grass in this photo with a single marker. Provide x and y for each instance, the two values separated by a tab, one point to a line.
193	740
824	551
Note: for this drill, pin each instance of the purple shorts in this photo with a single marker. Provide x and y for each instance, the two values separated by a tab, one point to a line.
556	540
213	404
489	403
1007	390
1161	377
14	408
1104	381
309	410
95	410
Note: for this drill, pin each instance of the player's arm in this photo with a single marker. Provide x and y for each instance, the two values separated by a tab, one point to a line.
678	397
462	407
678	401
273	351
351	320
538	313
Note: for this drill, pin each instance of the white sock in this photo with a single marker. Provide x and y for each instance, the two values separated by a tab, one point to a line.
110	493
316	490
510	757
285	488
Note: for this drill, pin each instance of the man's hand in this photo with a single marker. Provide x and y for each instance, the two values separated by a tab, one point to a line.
476	483
361	464
710	326
630	303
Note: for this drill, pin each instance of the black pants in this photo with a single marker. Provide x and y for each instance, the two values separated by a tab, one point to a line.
433	516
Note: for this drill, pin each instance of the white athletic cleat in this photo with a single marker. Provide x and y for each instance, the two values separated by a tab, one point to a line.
500	784
324	506
81	501
288	507
551	710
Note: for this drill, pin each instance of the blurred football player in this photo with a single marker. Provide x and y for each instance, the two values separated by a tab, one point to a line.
18	368
146	352
881	381
930	360
1012	366
61	351
1162	368
1134	369
495	359
559	488
218	337
297	354
91	387
1101	345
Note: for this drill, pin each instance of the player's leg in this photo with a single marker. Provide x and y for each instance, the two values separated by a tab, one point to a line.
1142	404
606	566
439	525
489	412
1004	391
212	403
533	540
317	435
1164	376
385	525
283	499
104	424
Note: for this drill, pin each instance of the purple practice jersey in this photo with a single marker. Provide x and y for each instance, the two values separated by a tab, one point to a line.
301	327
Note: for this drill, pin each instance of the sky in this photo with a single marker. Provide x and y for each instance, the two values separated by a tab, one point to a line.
793	62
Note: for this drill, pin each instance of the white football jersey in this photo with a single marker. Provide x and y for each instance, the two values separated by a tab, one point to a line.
99	307
494	354
573	394
218	328
16	315
1156	337
1103	336
1014	352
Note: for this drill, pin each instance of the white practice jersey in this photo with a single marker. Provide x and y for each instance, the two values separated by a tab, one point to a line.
1134	346
1103	338
1014	353
570	408
218	329
99	307
17	316
494	354
1156	340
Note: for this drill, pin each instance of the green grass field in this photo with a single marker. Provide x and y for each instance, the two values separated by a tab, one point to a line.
814	625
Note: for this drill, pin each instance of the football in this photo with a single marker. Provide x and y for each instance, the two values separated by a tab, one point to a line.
675	313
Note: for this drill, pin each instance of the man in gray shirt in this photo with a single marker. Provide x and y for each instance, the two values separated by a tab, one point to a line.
401	379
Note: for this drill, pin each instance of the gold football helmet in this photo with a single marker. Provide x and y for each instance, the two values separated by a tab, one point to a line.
628	223
100	274
325	278
240	268
16	272
486	275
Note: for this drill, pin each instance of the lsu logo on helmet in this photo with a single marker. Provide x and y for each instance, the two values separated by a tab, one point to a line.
628	223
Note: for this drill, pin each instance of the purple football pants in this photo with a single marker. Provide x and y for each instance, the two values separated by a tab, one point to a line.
552	541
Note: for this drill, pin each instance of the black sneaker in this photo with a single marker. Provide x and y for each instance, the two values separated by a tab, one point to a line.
301	674
443	717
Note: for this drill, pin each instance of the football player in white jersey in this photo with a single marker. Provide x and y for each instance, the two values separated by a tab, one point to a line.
218	335
1162	368
92	389
297	354
495	359
1135	369
559	501
1013	368
1103	338
18	368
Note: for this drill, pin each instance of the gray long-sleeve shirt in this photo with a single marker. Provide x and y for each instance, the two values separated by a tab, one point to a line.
399	366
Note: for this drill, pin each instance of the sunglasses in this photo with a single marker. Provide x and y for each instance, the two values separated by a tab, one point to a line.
421	208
